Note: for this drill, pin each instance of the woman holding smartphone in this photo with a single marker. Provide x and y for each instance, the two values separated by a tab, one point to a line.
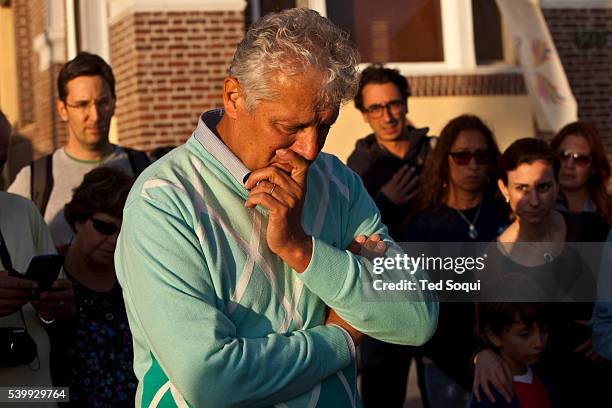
92	353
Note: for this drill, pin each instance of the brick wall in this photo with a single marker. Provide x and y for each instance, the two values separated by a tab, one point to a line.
461	85
581	39
23	48
169	68
39	126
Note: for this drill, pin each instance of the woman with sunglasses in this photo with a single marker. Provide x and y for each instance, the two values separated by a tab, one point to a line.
92	353
532	261
585	169
458	201
457	204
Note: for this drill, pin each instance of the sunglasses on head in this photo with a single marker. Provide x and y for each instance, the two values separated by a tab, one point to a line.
581	159
103	227
464	158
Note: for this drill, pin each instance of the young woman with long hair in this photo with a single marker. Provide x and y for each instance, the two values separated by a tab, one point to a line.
458	203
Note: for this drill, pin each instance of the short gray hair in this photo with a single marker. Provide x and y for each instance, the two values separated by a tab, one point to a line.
291	42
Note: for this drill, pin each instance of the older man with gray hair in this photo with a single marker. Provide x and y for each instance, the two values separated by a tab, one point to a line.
232	255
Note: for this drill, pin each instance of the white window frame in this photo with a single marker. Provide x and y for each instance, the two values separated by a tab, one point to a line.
458	44
96	16
93	23
94	27
50	44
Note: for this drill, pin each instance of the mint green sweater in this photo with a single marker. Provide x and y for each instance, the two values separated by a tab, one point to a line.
219	320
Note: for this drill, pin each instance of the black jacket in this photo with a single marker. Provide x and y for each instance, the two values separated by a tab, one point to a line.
376	165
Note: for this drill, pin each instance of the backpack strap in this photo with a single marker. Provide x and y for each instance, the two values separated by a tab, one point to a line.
41	181
138	160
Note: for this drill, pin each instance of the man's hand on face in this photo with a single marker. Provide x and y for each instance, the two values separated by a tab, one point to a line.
403	186
282	191
14	293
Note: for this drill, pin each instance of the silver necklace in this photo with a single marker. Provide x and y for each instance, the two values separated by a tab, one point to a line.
472	232
547	255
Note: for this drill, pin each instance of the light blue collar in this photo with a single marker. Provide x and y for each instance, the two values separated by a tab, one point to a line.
215	146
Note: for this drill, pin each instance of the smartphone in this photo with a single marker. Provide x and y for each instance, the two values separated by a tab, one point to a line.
44	270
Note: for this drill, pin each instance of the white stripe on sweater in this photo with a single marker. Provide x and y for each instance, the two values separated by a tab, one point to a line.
201	206
157	183
329	172
320	217
159	395
298	287
347	387
247	271
178	398
314	398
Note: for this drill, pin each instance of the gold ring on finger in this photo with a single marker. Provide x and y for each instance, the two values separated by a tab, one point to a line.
272	190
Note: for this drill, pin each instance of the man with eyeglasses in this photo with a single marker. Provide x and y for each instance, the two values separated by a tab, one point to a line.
389	161
86	103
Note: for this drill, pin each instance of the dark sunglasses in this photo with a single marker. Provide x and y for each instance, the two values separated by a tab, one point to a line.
581	159
103	227
464	158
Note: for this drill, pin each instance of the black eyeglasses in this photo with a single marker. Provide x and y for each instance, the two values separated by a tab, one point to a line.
103	227
393	107
464	158
580	159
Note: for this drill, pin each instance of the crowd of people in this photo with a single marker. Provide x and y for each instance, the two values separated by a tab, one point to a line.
240	275
536	193
79	327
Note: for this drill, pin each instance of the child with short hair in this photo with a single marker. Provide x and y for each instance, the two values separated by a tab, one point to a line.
518	332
